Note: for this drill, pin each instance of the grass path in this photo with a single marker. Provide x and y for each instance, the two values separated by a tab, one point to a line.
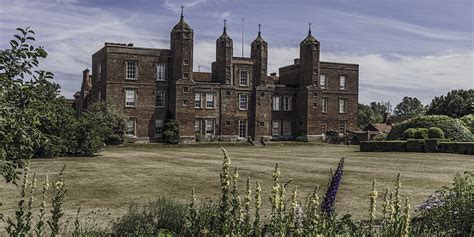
120	176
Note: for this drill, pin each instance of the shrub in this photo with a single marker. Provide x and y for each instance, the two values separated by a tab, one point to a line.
382	146
421	133
380	137
453	129
171	132
435	132
468	121
110	122
449	212
408	134
416	145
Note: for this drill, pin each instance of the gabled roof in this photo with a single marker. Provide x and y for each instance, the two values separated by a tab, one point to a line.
379	127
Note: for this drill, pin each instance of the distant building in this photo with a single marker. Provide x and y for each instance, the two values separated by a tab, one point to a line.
235	101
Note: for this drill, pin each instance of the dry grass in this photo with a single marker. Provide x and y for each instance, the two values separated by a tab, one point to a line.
119	176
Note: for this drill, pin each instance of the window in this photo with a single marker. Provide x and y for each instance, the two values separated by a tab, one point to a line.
342	124
185	89
159	124
197	100
243	99
209	127
130	124
99	72
186	62
130	98
160	72
324	105
198	126
275	128
227	123
342	105
185	102
261	123
131	70
227	68
160	99
276	103
186	75
227	93
286	128
324	127
264	71
322	81
262	94
342	82
243	78
209	100
242	128
287	103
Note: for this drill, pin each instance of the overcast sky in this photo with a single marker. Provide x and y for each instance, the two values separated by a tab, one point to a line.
421	48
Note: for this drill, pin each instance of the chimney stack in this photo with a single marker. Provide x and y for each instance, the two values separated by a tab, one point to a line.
86	80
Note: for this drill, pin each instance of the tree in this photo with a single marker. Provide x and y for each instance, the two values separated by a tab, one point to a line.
410	107
367	115
456	104
110	122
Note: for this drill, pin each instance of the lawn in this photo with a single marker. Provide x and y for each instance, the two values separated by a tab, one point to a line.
119	176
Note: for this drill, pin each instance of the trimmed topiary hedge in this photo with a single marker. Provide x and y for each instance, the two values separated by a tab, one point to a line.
408	134
380	146
453	129
457	147
432	144
416	145
435	132
421	133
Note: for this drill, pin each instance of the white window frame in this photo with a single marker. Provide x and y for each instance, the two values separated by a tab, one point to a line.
342	82
131	122
323	80
198	126
131	70
277	127
161	71
210	123
244	80
287	103
243	101
130	101
243	127
210	98
160	97
276	103
197	100
286	125
159	127
342	105
324	105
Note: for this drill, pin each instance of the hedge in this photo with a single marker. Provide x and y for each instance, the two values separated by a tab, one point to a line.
379	146
453	129
418	145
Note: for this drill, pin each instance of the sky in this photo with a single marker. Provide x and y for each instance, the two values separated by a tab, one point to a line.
418	48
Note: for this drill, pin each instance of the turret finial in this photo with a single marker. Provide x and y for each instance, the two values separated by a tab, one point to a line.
259	26
225	25
182	11
309	32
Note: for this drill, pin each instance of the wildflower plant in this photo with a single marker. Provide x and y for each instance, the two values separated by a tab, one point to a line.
373	199
330	196
226	179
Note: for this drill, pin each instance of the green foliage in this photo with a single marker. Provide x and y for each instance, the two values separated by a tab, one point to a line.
421	133
468	121
457	147
453	128
366	115
409	107
109	121
435	132
416	145
408	134
157	216
456	104
382	146
450	211
171	132
380	137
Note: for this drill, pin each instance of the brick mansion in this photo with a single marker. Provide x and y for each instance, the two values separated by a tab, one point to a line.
236	100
